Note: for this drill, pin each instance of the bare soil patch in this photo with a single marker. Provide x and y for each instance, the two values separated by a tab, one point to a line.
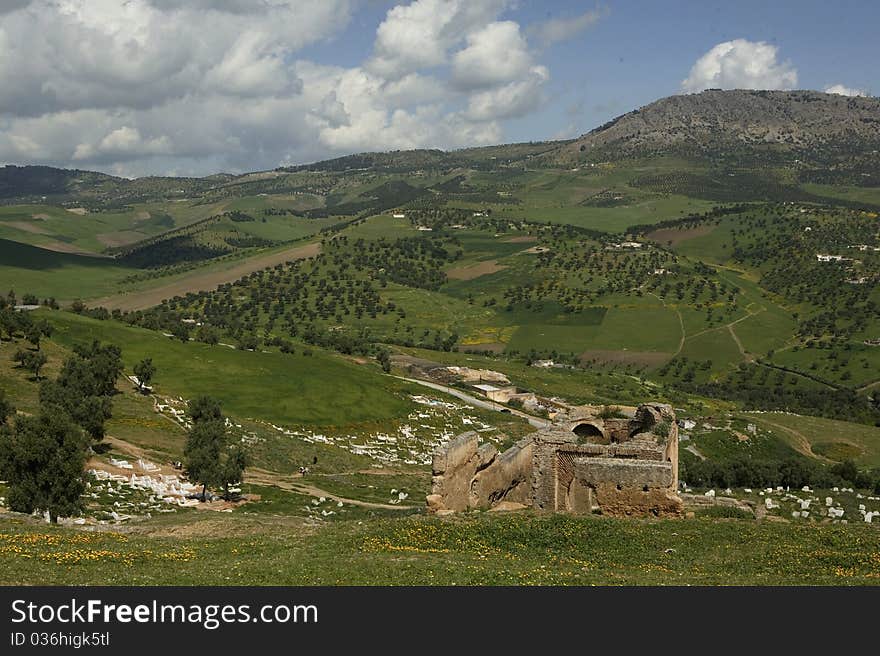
62	247
205	281
472	271
120	238
41	217
28	227
641	358
522	239
666	235
494	347
81	211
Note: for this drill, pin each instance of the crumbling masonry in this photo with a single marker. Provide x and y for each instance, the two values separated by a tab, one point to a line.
583	463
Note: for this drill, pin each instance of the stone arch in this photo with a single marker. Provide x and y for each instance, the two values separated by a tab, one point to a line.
587	430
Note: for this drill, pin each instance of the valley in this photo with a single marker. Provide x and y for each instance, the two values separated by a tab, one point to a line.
737	283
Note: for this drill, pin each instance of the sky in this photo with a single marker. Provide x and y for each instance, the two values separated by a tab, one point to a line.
195	87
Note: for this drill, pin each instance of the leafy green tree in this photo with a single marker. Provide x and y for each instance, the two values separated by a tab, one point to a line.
85	386
42	459
208	334
104	361
6	408
202	453
33	334
384	358
233	463
209	459
204	408
181	331
144	370
33	361
88	411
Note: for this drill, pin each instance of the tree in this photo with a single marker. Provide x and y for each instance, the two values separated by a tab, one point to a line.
204	408
209	459
202	453
384	358
33	334
6	408
89	411
33	361
85	386
144	370
95	368
181	331
208	335
42	459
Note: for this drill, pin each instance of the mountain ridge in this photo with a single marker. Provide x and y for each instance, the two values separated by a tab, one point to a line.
830	132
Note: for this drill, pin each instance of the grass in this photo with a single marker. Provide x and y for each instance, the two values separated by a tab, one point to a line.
45	273
853	366
716	345
620	328
376	487
288	389
832	438
484	549
383	225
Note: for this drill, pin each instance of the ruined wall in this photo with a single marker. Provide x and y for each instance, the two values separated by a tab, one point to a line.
453	469
469	475
617	466
628	487
507	478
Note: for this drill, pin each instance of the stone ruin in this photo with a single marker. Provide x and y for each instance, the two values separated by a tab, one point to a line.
582	463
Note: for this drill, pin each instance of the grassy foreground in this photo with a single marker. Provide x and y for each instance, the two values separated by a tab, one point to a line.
480	549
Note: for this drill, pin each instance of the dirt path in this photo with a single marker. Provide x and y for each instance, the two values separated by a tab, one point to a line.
800	443
294	483
681	340
680	323
866	387
746	356
204	281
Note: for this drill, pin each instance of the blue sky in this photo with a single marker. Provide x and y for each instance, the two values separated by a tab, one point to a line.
137	87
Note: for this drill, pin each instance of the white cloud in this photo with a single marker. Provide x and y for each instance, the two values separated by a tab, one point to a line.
419	35
555	30
123	143
741	64
496	54
845	91
195	86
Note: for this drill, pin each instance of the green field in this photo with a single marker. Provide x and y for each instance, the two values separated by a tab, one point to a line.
289	389
636	329
832	438
28	269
